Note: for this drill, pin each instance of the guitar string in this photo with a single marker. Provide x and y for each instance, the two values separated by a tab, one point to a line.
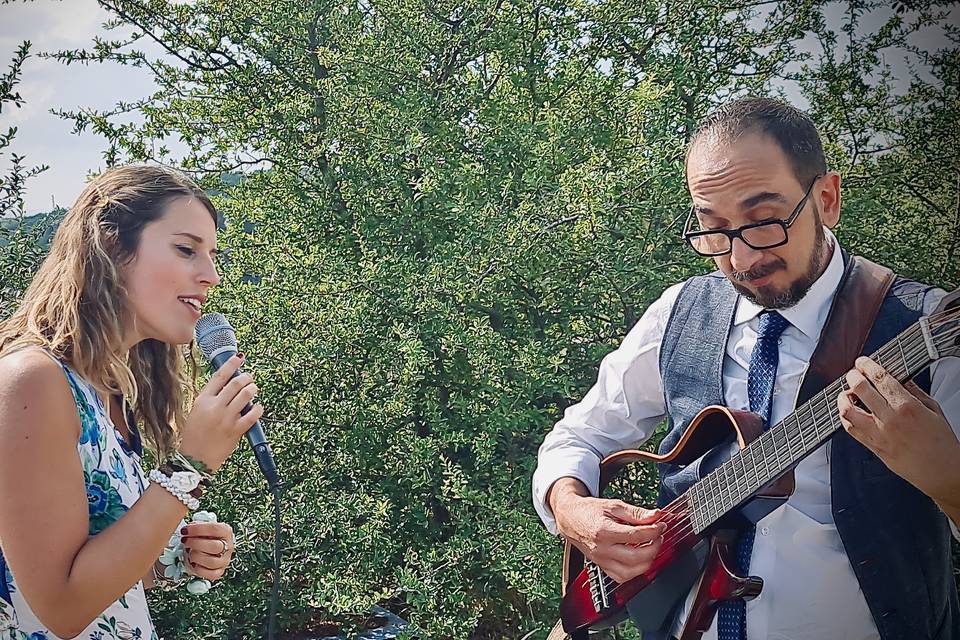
911	360
818	405
916	354
819	410
680	506
675	533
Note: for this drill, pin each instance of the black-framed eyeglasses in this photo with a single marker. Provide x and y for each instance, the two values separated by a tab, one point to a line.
758	235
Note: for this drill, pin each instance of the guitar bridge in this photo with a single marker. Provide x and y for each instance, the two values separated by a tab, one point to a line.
600	587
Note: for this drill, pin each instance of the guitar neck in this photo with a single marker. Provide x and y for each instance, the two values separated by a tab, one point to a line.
795	437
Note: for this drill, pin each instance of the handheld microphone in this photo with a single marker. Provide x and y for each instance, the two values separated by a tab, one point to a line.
218	343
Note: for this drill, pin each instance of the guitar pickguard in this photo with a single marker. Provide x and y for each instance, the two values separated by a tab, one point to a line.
653	608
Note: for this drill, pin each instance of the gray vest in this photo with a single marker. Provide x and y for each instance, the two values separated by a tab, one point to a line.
897	539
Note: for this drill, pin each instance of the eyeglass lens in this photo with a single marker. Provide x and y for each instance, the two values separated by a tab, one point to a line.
759	237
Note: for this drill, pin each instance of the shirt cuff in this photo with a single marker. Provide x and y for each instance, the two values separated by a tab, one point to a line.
584	467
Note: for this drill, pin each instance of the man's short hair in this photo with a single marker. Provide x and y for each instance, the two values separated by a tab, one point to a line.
790	128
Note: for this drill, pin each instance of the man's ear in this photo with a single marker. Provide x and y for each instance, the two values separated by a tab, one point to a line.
827	193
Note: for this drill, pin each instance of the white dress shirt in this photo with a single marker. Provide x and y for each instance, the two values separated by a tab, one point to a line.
797	549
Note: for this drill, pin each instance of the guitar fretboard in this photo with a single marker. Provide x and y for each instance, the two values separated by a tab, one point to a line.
799	434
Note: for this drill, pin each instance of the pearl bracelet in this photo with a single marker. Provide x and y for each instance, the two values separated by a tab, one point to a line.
164	481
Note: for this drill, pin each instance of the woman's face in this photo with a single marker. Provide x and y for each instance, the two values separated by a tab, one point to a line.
168	279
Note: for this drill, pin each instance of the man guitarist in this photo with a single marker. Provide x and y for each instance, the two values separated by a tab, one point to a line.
861	549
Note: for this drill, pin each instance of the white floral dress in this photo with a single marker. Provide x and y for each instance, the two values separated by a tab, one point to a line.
114	481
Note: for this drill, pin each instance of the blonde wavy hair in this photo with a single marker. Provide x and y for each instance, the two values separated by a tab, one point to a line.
75	307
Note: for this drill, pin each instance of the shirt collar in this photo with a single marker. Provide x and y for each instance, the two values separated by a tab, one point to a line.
810	313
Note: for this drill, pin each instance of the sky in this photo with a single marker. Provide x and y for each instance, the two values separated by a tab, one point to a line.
43	137
47	139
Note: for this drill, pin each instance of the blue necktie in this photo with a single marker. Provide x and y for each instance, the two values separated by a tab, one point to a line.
731	615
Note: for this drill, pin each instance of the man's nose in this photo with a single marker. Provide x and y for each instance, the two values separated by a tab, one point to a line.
742	256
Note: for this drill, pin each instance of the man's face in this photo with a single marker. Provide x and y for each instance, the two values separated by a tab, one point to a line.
733	183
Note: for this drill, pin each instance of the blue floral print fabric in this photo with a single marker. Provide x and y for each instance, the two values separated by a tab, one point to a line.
114	481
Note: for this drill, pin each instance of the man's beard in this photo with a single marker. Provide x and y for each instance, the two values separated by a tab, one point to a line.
792	294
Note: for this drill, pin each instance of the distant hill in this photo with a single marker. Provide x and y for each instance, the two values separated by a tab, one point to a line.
51	219
48	221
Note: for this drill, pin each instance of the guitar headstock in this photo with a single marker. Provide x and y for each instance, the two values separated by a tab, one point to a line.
945	325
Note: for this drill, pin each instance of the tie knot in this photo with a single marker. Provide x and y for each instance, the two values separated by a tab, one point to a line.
772	326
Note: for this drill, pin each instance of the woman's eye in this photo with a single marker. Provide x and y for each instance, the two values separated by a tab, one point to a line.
185	250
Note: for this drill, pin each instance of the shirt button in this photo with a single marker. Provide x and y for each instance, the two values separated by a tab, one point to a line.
764	531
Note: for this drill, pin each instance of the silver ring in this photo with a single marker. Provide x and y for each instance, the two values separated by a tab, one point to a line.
226	547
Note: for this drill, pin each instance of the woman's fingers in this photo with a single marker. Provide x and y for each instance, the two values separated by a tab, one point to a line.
215	422
234	387
210	547
207	530
199	569
242	398
217	548
221	377
248	420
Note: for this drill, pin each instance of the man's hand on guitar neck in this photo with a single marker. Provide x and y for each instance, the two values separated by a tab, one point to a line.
906	429
620	538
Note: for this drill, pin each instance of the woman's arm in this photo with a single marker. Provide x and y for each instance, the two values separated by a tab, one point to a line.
67	577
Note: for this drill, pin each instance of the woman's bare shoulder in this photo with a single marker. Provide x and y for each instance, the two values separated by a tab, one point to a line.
34	392
28	367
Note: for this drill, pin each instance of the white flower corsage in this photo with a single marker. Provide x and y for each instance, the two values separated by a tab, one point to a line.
174	559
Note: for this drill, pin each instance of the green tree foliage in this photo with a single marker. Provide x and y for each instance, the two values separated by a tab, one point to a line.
449	213
21	245
895	142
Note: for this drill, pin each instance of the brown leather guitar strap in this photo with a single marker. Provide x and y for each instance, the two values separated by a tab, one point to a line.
862	290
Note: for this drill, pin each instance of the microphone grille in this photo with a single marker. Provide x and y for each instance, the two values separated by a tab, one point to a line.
213	332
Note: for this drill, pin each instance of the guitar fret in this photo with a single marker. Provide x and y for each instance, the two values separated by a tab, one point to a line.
806	428
833	413
803	438
711	492
775	436
769	449
734	482
693	501
903	360
764	458
701	506
728	482
800	430
778	438
813	416
794	441
784	443
718	503
742	458
692	508
748	464
829	403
